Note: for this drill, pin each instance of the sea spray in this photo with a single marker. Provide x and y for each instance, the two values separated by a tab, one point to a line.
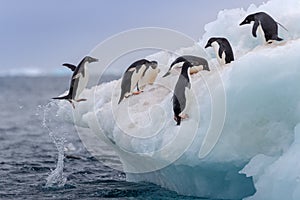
56	177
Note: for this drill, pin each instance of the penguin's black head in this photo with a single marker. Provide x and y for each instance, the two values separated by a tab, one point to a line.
90	59
205	67
247	20
154	64
211	40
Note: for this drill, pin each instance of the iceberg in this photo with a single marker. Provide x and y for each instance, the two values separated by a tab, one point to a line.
242	136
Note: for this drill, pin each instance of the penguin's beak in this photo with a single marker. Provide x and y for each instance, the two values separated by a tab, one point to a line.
207	45
243	23
93	60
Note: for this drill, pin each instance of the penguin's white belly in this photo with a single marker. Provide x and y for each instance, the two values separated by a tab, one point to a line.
223	61
260	32
82	83
196	69
187	94
153	75
149	77
216	47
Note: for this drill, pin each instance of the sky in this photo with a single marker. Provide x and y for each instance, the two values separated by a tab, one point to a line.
38	36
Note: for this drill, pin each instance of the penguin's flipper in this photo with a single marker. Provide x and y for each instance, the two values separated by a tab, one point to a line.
121	98
70	66
254	28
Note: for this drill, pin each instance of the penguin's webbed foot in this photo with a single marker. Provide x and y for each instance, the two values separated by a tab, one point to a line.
79	100
184	116
193	72
137	92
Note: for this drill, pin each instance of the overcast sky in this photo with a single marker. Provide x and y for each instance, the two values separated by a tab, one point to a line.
44	34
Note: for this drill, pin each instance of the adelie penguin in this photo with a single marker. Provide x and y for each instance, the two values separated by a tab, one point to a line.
266	25
197	63
149	75
138	75
79	80
181	96
222	49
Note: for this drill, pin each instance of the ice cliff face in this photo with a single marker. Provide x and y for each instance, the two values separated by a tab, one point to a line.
252	103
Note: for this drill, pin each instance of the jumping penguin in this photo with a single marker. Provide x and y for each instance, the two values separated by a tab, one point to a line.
182	93
198	64
222	49
132	77
79	80
266	25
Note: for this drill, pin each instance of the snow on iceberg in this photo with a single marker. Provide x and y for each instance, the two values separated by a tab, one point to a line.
257	151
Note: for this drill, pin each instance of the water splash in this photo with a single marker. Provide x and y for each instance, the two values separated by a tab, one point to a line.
56	177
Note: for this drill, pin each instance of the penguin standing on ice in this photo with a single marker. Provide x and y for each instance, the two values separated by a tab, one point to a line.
266	25
132	76
149	75
198	64
182	93
222	49
79	80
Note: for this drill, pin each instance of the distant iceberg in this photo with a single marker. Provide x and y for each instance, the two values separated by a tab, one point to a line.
258	152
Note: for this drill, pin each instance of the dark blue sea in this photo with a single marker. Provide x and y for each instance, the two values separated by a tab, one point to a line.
28	153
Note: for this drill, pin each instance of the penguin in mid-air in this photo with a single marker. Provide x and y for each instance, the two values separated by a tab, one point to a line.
197	63
266	25
79	80
133	75
182	93
222	49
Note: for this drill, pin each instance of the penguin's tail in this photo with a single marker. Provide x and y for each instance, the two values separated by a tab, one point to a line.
278	39
68	98
121	98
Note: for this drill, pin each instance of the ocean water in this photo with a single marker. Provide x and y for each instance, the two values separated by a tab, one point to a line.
28	153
